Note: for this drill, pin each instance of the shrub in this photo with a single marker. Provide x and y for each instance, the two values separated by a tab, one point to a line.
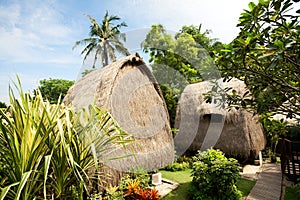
133	191
296	188
141	176
132	187
176	166
214	176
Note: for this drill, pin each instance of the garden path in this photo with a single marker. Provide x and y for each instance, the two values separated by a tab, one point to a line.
268	185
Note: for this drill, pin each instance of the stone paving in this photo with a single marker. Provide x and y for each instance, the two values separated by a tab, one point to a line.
268	185
166	187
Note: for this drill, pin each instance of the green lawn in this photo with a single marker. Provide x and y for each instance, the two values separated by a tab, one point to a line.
290	194
245	186
184	178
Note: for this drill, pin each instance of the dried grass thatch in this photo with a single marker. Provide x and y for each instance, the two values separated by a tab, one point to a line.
204	125
129	91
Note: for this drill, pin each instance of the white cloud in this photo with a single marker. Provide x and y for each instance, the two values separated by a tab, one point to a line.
32	30
219	16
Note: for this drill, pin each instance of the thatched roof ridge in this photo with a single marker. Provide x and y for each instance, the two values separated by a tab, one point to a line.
128	90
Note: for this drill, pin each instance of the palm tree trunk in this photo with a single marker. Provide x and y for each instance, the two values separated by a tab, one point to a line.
105	54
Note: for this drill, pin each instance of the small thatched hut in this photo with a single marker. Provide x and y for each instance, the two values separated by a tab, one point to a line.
204	125
129	91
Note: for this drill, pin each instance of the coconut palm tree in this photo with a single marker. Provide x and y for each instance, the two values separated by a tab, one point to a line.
105	39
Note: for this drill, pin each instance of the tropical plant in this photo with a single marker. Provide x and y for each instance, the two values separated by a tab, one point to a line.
105	39
134	191
265	55
3	105
49	151
177	166
180	60
137	175
214	176
275	130
132	187
54	89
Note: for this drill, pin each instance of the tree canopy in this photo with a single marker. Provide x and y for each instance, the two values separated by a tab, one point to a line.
187	54
179	60
265	55
52	89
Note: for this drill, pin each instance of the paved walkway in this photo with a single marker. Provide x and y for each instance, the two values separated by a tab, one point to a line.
268	185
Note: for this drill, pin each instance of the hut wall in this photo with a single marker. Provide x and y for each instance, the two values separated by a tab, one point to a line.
238	134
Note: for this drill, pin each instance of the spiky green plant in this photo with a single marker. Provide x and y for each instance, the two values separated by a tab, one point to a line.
49	151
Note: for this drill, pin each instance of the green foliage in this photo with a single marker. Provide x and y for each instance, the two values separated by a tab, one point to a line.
177	166
53	89
87	71
189	60
184	178
49	151
296	188
171	99
214	176
3	105
275	130
111	193
105	39
178	61
141	176
265	55
181	163
292	193
131	187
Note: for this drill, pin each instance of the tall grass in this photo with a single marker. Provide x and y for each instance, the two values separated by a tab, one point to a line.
51	152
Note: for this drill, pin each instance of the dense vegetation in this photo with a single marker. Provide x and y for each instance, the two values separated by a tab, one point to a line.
265	55
179	61
49	151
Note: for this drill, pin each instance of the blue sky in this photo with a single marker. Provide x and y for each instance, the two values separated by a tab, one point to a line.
36	37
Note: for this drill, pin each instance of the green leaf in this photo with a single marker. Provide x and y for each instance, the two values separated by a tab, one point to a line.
25	177
251	6
5	190
46	170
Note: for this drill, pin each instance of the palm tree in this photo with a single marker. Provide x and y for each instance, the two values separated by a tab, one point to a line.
105	39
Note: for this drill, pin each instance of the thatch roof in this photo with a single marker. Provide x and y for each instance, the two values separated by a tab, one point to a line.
203	125
129	91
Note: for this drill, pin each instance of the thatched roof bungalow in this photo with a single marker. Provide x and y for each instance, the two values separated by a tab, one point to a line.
204	125
129	91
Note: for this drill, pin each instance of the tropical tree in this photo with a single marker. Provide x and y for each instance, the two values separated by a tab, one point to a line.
105	40
265	55
52	89
179	60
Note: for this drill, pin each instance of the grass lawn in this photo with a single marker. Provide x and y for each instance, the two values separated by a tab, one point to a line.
245	186
184	178
290	194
